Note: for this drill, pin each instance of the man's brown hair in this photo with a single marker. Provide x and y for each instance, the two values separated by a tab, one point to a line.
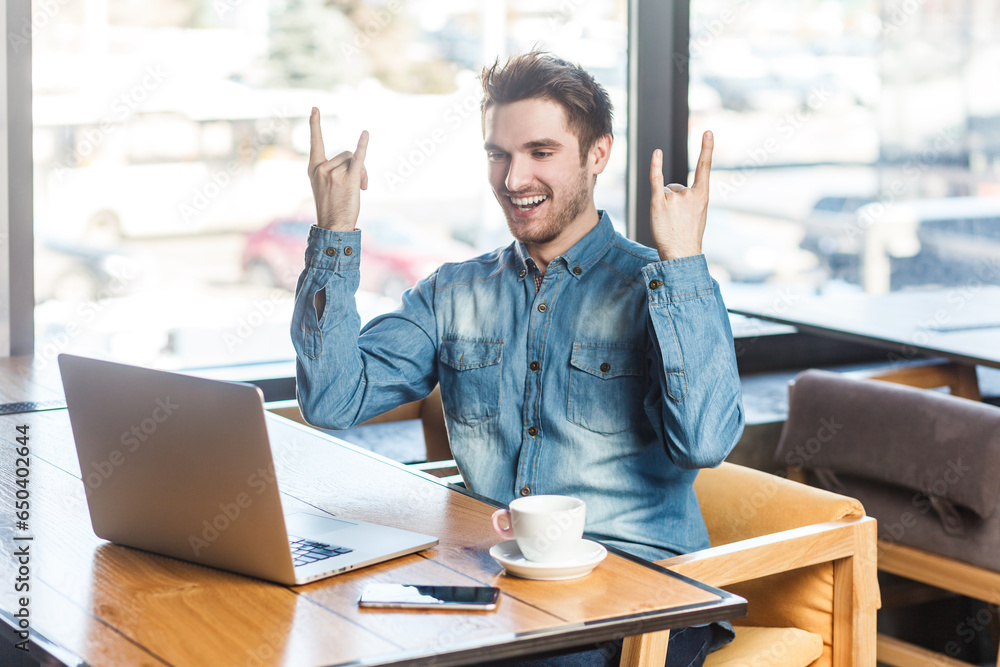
540	75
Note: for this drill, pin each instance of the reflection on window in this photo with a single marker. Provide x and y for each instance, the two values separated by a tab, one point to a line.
171	137
858	143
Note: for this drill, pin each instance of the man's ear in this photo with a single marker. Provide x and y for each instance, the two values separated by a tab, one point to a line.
600	153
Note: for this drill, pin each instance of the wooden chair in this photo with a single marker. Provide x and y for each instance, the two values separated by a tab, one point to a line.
429	411
431	415
926	465
803	558
960	379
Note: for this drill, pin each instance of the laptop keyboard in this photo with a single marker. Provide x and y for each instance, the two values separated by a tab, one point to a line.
306	551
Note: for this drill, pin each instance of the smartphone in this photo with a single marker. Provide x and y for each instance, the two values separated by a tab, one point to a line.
409	596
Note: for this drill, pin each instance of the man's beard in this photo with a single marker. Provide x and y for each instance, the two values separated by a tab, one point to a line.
557	220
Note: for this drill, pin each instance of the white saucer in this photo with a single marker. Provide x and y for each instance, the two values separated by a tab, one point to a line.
586	558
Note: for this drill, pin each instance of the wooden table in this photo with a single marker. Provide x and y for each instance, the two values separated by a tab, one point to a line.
99	603
960	325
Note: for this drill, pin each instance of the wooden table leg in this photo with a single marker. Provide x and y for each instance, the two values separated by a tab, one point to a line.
648	650
966	383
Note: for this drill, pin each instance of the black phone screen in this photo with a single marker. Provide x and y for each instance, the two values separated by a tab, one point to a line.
412	596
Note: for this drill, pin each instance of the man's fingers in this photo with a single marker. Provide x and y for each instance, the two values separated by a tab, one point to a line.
656	171
317	153
701	171
358	163
336	161
355	162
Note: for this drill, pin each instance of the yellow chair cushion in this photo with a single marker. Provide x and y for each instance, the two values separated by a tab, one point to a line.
768	647
801	598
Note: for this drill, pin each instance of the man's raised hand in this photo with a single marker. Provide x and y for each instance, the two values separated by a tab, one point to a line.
677	213
336	183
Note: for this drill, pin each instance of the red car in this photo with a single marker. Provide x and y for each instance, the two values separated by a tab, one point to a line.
394	255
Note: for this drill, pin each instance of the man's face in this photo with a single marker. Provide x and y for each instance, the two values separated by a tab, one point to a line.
535	171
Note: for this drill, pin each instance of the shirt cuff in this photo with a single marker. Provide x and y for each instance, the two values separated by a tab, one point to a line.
335	251
678	280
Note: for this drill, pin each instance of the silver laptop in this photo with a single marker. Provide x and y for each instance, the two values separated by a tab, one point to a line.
182	466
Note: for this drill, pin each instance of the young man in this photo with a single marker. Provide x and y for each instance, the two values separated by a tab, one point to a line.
573	361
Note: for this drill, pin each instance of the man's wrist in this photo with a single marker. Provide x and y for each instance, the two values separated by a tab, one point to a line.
325	233
669	254
695	266
335	227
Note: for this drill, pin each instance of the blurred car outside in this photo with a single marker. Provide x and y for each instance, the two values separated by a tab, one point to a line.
74	272
943	242
826	235
395	254
922	242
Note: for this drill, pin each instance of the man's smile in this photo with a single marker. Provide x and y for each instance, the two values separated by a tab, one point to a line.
527	203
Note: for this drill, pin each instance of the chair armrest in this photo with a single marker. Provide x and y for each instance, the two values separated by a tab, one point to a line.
787	550
941	571
288	409
402	413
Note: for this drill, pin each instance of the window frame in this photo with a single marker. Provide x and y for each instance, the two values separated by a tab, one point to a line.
17	282
658	48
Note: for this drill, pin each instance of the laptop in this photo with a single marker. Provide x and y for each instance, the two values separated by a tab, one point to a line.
181	466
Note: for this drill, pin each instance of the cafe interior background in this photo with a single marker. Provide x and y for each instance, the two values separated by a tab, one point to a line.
170	139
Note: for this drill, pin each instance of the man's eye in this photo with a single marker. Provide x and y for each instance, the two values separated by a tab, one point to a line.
543	154
494	156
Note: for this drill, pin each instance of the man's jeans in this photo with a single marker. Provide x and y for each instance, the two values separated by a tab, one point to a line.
687	648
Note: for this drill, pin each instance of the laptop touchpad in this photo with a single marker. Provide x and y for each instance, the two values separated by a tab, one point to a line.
304	524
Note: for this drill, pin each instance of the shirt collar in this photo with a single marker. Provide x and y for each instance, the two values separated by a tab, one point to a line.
584	253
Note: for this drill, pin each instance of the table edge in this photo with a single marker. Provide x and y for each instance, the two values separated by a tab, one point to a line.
924	351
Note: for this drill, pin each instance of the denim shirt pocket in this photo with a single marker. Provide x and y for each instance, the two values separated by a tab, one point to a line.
470	379
607	386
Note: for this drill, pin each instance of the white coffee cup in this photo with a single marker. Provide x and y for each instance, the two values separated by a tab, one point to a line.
548	528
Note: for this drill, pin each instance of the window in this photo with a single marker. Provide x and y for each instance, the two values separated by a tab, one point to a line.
164	138
171	196
857	142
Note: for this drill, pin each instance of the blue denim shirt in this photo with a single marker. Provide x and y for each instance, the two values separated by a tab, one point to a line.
614	382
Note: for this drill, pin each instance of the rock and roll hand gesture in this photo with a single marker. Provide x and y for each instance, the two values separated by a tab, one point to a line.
336	183
677	213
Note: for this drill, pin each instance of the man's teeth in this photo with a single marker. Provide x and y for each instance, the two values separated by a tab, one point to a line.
528	201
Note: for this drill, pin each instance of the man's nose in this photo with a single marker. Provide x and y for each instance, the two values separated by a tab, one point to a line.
518	175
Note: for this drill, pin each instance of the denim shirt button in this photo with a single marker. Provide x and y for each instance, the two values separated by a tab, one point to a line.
533	365
542	307
348	250
533	431
577	270
525	491
653	284
605	367
330	252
